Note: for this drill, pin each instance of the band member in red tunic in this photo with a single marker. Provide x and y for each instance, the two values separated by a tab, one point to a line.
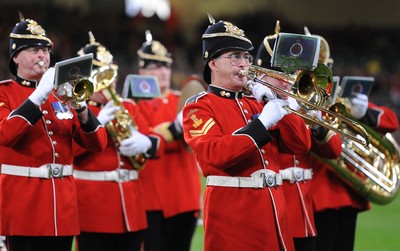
38	198
296	169
115	218
336	204
236	140
171	183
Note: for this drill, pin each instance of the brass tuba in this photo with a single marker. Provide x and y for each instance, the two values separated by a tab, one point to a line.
119	128
310	89
371	171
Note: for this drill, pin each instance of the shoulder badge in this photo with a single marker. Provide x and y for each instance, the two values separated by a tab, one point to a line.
194	98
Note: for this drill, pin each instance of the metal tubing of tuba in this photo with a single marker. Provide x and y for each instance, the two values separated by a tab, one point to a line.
310	96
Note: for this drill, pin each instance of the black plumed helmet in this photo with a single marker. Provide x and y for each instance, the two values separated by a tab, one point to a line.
27	33
153	51
221	36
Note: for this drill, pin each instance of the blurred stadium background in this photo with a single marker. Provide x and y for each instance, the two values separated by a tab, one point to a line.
363	36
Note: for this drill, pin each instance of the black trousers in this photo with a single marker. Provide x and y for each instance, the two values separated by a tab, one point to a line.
336	229
39	243
170	234
305	244
130	241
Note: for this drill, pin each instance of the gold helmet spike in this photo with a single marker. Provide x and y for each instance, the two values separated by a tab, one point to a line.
92	40
210	18
277	27
21	17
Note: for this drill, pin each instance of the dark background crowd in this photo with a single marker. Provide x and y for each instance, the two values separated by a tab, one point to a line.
356	50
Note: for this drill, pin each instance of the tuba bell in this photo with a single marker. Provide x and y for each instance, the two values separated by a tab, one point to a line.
371	171
119	128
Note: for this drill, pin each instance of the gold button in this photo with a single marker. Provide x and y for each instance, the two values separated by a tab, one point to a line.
50	133
45	112
56	155
54	142
262	151
266	162
48	122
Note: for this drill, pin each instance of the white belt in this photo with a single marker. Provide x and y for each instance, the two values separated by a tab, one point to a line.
293	174
119	175
46	171
259	179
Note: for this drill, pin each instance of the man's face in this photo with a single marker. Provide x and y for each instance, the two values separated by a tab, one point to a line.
32	62
225	69
161	72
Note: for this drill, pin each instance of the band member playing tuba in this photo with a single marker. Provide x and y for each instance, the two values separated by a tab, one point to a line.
336	203
110	196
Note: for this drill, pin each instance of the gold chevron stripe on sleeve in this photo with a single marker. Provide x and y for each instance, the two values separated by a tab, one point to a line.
207	126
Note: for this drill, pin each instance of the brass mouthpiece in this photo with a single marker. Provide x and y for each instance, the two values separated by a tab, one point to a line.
41	63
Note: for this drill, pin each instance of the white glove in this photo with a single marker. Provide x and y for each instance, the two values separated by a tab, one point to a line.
45	86
77	105
107	113
293	104
359	105
261	92
137	143
178	122
272	112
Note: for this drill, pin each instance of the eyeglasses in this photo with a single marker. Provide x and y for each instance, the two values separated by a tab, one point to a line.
236	58
35	50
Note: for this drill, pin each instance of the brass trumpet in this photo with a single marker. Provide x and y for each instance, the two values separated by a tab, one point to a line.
311	90
77	89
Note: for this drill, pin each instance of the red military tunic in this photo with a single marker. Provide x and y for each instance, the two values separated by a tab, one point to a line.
327	185
111	206
228	141
31	137
170	183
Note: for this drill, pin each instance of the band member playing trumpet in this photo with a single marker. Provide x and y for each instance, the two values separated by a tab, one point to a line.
236	140
296	169
110	195
38	196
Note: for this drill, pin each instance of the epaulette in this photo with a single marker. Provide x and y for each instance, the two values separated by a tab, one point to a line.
194	98
7	81
128	100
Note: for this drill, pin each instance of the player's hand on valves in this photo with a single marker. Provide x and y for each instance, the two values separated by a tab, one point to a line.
261	92
107	113
137	143
359	105
45	86
272	112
